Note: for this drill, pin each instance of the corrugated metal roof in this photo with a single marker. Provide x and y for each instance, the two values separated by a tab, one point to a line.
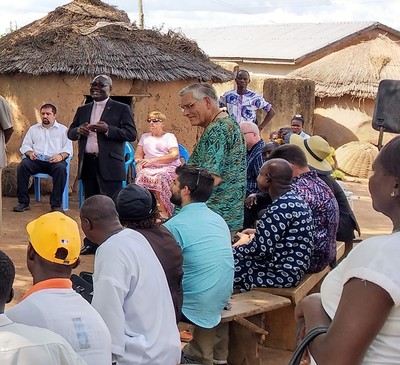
275	42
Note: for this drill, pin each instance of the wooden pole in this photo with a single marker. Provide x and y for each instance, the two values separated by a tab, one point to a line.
141	15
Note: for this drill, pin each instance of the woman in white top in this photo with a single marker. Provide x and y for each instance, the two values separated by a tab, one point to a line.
156	157
360	299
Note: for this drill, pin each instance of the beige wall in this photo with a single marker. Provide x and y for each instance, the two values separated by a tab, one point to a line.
345	119
27	94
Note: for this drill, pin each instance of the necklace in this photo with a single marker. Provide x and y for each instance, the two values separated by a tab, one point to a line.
216	115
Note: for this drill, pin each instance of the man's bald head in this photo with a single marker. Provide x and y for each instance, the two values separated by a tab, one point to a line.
99	208
99	218
280	169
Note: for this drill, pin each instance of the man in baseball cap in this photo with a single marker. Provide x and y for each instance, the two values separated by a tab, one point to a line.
137	209
53	251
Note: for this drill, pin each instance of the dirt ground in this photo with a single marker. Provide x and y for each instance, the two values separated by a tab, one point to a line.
14	238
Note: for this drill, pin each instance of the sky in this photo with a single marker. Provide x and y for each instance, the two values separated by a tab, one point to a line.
175	14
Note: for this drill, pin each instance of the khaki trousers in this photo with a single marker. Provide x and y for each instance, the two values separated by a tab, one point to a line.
209	344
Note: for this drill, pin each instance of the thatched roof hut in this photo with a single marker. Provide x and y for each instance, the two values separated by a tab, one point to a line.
355	71
89	37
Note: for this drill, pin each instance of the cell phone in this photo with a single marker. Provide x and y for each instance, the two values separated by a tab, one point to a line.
42	157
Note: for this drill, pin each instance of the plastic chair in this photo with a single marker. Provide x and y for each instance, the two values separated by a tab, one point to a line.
183	153
36	183
129	153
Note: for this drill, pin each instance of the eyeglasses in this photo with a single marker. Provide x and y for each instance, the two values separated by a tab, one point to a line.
188	106
153	120
197	182
98	84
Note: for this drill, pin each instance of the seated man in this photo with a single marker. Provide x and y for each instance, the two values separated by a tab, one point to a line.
137	209
207	264
320	199
277	253
254	161
53	251
22	344
46	147
317	151
130	289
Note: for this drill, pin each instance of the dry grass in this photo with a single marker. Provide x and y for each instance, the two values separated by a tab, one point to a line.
355	70
89	37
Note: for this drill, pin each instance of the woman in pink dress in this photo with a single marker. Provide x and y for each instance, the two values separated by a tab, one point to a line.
156	157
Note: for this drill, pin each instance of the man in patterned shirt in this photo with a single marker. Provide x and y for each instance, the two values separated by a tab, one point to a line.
254	161
322	202
242	104
277	253
221	150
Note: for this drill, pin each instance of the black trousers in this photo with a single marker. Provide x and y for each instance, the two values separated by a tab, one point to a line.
29	167
94	184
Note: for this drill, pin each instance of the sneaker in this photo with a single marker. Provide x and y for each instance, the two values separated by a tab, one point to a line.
21	207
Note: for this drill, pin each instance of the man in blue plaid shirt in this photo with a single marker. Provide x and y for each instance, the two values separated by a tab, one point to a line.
254	161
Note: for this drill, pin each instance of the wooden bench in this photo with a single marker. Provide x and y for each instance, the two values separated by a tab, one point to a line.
281	323
247	331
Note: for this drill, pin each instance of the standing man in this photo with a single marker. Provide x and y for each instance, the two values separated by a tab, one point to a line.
101	129
242	104
46	147
207	264
130	289
6	130
221	150
53	251
297	125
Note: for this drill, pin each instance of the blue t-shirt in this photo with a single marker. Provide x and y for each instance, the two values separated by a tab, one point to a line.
207	262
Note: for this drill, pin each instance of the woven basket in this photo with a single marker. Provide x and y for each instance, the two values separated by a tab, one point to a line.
356	158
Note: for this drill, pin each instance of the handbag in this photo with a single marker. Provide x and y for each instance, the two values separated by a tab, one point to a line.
298	353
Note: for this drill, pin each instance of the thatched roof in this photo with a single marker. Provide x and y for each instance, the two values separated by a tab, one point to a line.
89	37
355	70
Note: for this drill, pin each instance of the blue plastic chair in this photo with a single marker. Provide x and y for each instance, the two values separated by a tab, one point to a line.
36	183
129	153
183	153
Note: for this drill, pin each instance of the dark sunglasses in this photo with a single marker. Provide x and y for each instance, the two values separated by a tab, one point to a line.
153	120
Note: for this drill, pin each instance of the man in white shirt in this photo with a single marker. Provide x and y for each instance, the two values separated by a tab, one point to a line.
53	251
46	147
21	344
130	289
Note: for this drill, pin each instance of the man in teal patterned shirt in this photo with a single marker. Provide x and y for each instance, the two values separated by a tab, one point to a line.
221	150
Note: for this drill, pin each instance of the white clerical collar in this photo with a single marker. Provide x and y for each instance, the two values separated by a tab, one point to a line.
101	103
